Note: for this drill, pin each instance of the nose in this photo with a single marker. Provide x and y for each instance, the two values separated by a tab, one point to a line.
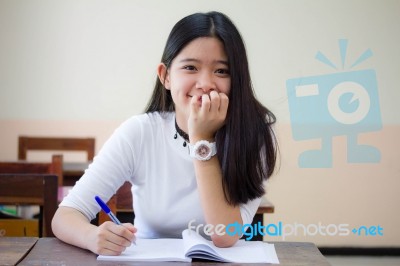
206	83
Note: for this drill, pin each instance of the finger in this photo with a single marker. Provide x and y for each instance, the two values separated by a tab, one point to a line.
120	240
113	248
108	252
107	244
121	235
132	229
215	102
205	104
195	104
224	103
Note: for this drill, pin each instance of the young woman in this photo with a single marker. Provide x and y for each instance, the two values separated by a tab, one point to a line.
200	152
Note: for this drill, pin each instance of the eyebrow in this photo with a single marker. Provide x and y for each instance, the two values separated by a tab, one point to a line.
199	61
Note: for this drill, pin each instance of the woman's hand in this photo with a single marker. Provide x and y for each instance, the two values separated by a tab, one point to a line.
110	238
207	115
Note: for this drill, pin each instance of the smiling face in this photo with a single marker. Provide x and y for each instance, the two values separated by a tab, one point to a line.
201	67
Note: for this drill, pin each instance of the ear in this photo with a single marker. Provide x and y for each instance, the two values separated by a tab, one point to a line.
163	76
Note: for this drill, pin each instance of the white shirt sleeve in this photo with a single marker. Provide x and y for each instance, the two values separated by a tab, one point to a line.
109	170
248	210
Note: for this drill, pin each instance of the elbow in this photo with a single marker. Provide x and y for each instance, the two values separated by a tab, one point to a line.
224	241
55	223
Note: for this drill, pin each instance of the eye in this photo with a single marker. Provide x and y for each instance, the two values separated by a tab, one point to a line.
190	68
222	71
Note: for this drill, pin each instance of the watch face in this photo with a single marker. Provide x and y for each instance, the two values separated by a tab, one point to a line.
203	151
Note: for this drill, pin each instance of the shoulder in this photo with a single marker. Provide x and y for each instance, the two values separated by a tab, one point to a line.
142	125
145	120
138	131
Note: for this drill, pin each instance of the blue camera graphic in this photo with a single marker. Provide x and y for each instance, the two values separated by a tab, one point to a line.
344	103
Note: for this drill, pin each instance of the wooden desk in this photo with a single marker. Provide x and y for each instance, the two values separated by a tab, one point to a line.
13	249
51	251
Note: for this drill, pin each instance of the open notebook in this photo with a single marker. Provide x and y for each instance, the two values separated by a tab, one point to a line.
193	245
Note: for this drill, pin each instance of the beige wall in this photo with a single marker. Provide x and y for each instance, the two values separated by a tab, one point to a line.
80	68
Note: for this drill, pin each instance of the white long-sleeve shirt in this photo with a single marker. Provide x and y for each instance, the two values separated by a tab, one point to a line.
144	152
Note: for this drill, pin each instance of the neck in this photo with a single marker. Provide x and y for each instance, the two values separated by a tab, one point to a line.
181	121
181	132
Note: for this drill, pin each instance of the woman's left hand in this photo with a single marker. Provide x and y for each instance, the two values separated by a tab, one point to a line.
207	115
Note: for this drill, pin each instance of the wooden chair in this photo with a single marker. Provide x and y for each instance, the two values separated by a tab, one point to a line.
22	167
26	144
58	144
119	202
72	171
32	189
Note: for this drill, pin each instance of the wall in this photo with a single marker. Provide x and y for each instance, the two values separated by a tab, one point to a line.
80	68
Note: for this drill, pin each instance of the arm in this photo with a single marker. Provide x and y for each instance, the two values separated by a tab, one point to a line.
204	121
71	222
71	226
215	207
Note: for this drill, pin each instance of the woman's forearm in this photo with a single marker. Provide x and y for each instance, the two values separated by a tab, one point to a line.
215	207
71	226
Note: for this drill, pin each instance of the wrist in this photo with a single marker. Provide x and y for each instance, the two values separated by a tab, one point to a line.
196	138
202	150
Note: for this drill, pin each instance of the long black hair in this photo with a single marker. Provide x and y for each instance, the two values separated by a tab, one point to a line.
246	144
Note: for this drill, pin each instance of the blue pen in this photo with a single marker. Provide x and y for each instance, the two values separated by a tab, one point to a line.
107	210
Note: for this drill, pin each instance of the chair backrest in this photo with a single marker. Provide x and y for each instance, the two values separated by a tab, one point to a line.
55	144
119	202
32	189
22	167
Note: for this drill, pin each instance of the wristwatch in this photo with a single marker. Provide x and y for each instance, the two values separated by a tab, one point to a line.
202	150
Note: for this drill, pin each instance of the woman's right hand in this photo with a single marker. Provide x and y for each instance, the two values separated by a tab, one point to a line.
110	238
72	227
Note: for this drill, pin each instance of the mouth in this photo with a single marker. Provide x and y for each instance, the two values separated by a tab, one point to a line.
191	96
199	98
